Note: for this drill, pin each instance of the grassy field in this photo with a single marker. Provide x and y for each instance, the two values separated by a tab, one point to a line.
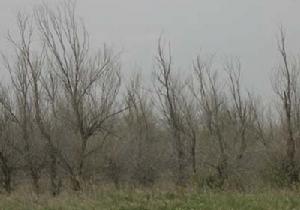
141	200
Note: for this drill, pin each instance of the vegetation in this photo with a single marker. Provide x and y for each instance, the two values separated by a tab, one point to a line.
69	124
130	200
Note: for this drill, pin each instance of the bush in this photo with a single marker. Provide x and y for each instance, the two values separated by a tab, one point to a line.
276	173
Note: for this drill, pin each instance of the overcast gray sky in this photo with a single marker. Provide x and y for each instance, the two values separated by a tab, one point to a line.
243	28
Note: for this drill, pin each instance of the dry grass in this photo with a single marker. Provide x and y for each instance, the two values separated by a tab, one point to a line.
151	199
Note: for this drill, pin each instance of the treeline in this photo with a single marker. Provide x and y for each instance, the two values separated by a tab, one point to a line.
68	121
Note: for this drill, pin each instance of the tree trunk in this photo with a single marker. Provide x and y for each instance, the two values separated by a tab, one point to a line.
55	180
181	177
193	154
35	180
7	173
84	141
222	166
290	168
75	182
7	181
222	170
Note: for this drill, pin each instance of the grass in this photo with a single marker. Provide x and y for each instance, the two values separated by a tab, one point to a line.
142	200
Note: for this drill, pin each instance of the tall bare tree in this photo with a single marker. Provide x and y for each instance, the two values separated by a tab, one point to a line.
242	111
19	102
141	125
34	62
169	92
212	105
191	126
90	82
286	87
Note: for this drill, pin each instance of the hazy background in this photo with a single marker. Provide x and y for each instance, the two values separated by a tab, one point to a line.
243	28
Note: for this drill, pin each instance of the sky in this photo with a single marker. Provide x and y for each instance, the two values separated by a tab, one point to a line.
247	29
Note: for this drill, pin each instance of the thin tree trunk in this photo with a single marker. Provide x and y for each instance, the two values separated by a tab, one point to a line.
193	154
54	178
35	179
181	178
7	173
75	182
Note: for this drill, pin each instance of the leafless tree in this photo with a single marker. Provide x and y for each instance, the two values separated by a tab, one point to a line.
286	87
191	126
19	102
8	161
169	92
62	120
140	123
212	106
243	109
34	62
90	83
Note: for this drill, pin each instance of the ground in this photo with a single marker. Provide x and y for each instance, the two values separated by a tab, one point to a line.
142	200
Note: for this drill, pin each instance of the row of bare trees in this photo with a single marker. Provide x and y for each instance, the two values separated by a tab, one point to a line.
64	116
59	83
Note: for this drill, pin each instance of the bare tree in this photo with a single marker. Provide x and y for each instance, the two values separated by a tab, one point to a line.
169	92
140	123
243	109
90	83
285	87
20	107
191	118
34	62
212	106
8	161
